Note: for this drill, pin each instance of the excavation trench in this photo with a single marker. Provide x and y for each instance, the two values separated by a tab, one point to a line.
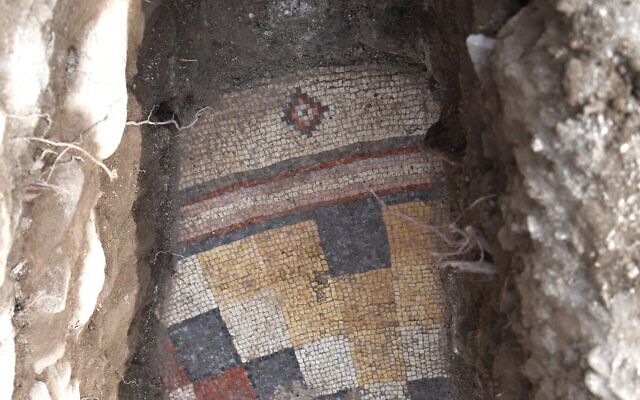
298	211
296	206
319	199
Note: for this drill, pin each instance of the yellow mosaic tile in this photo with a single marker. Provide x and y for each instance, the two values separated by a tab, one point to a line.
234	271
377	355
375	306
310	309
301	279
291	252
409	243
419	295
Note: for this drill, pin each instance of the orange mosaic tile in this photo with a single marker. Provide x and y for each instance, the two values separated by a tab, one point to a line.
419	298
311	309
409	243
375	307
291	252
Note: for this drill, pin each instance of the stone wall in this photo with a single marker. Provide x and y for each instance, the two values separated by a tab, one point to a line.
561	115
62	112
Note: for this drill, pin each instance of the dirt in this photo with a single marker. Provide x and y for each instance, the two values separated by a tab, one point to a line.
549	122
570	207
70	224
194	51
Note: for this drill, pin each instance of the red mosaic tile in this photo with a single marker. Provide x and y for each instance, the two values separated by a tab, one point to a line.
166	343
229	385
173	375
298	171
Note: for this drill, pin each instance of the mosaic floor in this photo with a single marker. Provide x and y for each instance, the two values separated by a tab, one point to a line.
294	280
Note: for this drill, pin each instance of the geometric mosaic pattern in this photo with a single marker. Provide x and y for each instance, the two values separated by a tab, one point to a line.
276	373
352	254
313	188
232	384
183	393
244	132
303	112
189	294
385	391
421	350
294	281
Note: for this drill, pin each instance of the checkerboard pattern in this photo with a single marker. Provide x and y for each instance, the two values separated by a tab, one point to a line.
305	270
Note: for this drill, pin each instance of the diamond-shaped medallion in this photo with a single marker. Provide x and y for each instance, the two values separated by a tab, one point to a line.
303	112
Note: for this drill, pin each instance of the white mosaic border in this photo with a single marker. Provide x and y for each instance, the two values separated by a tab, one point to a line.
232	208
244	130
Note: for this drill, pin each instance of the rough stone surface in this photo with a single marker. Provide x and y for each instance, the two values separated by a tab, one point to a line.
564	129
59	85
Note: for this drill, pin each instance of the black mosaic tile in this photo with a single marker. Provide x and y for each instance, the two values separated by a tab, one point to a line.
353	237
276	370
429	389
203	345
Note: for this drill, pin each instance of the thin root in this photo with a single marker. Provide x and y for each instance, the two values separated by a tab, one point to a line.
462	240
475	203
475	267
172	121
427	227
70	146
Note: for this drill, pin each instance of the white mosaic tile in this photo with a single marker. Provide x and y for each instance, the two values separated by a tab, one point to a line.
370	105
327	365
189	294
385	391
423	351
183	393
257	325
